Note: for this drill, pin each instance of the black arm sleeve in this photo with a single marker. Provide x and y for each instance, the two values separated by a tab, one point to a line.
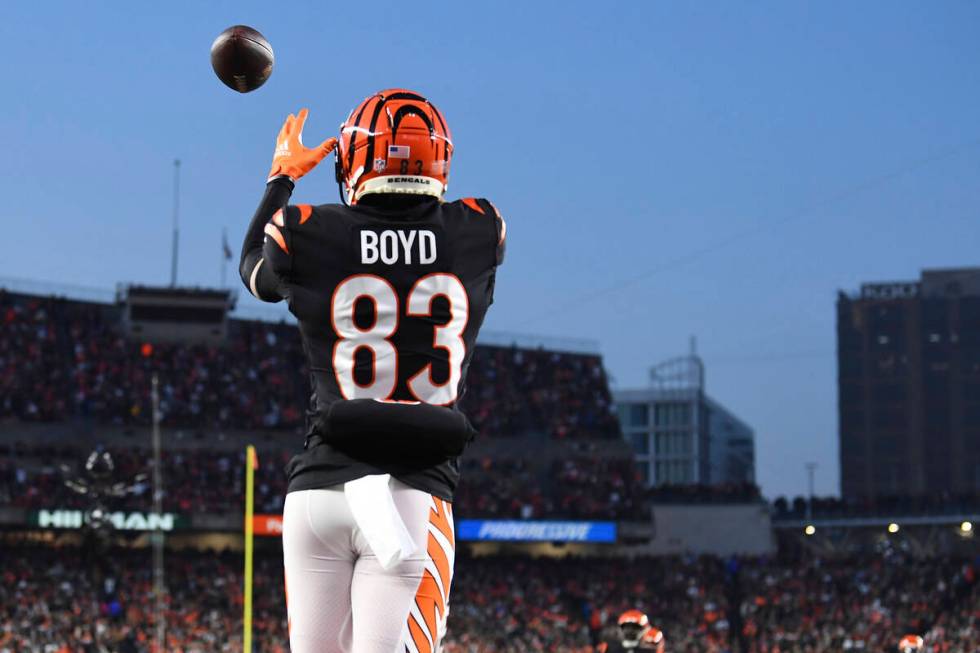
260	280
401	431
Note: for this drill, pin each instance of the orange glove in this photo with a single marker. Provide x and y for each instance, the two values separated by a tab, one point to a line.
292	159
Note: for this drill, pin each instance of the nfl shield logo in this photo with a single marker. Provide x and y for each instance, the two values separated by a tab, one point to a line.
380	165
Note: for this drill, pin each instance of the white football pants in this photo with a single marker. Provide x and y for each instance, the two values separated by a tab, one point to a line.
339	599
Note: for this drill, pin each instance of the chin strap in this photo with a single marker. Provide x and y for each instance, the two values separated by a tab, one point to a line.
343	193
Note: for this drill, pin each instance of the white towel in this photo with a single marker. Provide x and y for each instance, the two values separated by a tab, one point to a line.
373	507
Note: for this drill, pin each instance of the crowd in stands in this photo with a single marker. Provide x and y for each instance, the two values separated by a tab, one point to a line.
75	601
940	503
62	358
701	494
207	480
194	480
68	600
599	487
862	604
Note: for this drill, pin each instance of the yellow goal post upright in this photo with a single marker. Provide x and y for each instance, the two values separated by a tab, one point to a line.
251	464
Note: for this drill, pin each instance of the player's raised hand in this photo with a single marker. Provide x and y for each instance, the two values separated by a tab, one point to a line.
292	158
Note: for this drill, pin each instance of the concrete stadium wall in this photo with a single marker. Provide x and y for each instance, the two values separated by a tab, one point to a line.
723	530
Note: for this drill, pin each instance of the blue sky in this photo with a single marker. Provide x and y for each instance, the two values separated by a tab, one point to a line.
716	169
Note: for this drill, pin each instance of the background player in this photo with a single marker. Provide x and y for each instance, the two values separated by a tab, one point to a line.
635	634
390	290
910	644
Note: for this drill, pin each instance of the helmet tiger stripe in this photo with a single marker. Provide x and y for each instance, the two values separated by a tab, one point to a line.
395	141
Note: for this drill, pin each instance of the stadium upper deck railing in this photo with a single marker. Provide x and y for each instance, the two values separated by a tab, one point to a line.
244	311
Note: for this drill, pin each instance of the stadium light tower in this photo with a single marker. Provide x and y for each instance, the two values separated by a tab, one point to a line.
173	251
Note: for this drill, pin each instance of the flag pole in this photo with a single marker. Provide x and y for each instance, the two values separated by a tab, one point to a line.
224	254
250	465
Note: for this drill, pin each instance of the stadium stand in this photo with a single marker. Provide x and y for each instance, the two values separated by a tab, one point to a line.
65	361
897	506
550	449
66	600
61	358
210	480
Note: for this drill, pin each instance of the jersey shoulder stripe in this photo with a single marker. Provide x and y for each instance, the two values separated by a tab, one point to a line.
487	208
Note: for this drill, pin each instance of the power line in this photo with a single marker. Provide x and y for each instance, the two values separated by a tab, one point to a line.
693	255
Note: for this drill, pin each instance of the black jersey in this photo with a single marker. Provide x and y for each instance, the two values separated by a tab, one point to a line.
389	303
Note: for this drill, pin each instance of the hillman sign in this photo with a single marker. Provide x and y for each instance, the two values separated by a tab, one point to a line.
123	521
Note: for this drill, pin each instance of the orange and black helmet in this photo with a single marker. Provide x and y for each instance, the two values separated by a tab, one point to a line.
633	624
395	141
910	644
653	640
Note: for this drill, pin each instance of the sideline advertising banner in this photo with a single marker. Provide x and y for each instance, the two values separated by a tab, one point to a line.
495	530
119	520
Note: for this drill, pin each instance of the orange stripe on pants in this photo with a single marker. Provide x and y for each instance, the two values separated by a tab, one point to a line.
429	600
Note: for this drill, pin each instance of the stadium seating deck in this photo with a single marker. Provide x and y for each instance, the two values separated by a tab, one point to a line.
64	599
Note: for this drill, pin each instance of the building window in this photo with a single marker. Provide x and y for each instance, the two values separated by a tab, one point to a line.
673	443
672	414
634	415
683	443
643	471
640	441
674	472
639	415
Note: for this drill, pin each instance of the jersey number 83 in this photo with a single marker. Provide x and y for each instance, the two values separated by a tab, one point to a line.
376	337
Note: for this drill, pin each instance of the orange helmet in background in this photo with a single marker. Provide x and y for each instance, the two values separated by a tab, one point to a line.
910	644
395	141
633	625
653	640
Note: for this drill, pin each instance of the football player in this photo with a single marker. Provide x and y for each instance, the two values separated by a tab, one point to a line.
910	644
390	288
653	640
635	634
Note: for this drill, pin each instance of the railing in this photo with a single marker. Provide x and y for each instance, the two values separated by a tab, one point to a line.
51	289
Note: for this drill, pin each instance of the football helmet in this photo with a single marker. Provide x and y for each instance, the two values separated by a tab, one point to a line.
653	640
395	141
633	625
910	644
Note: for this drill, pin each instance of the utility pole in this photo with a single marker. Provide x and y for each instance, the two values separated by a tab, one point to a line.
173	251
811	469
159	605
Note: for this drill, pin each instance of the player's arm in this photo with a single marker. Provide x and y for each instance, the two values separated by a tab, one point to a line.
290	162
256	273
401	430
501	227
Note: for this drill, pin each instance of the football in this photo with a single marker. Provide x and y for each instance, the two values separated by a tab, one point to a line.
242	58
